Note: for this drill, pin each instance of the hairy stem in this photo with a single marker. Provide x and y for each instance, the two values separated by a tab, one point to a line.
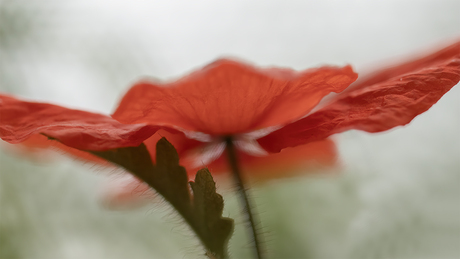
233	162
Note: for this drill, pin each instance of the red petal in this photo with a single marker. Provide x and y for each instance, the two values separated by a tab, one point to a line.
34	145
28	123
393	71
287	162
228	97
77	129
375	108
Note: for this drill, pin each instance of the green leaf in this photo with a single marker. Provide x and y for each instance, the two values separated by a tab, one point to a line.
208	208
202	209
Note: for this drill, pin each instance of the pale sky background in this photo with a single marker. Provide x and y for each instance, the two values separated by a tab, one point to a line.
86	54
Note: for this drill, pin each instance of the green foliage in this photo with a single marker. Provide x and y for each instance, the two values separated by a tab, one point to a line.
202	209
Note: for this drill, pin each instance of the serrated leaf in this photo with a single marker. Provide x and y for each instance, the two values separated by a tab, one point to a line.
208	207
172	179
202	210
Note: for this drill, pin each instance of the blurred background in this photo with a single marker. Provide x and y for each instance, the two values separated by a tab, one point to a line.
395	195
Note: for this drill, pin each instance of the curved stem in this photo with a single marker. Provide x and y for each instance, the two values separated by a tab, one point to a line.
233	161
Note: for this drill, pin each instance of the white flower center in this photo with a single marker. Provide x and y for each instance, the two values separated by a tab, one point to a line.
215	146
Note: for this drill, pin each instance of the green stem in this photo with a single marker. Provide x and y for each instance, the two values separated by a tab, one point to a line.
233	162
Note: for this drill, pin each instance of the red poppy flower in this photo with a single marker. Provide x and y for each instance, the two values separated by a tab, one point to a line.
265	110
224	98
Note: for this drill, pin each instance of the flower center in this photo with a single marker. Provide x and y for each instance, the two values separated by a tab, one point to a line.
215	146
